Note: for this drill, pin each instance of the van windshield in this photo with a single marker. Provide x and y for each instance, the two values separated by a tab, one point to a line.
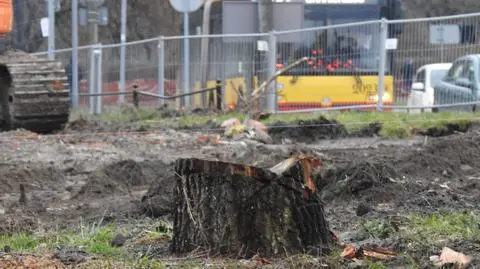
436	76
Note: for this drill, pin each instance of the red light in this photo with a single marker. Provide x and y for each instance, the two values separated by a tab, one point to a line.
279	66
314	52
310	62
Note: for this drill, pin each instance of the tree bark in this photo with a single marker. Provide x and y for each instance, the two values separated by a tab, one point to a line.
238	210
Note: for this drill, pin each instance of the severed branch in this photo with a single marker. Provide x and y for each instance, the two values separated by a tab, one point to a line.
239	94
264	85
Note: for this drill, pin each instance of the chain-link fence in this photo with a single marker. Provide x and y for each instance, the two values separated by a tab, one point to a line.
365	65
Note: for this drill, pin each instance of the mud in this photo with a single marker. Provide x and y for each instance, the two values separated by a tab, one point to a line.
90	174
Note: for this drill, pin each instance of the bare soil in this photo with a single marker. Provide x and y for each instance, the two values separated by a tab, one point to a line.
88	172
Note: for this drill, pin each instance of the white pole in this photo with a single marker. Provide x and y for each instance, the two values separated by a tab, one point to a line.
74	53
123	39
186	55
51	30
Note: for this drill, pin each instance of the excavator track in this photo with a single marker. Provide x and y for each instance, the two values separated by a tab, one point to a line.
34	93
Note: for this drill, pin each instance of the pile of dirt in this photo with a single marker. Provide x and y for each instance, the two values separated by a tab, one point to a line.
120	177
435	175
449	128
310	131
98	126
307	131
453	155
367	180
158	201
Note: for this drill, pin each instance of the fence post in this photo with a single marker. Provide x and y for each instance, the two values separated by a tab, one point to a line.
121	84
272	60
135	98
382	62
123	40
51	29
218	89
98	78
74	61
91	79
161	69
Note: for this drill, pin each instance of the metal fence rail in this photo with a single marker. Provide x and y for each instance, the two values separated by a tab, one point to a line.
366	65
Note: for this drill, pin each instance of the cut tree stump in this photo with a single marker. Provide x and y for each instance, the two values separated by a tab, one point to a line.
239	210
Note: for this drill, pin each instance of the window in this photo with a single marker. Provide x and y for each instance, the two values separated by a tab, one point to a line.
420	77
469	71
436	76
338	48
455	71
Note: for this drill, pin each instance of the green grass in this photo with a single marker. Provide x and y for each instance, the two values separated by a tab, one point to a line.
95	241
395	124
428	231
424	235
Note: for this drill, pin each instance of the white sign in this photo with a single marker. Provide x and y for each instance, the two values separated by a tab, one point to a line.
44	26
444	34
335	1
57	5
391	44
186	5
320	1
262	45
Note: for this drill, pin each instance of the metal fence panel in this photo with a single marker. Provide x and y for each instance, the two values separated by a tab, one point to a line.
343	67
218	59
431	41
341	70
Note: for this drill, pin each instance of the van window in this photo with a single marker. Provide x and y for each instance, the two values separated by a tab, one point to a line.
436	76
420	77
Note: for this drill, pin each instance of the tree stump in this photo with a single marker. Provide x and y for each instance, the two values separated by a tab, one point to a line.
232	209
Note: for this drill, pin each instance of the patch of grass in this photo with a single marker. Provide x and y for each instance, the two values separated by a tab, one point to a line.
401	124
395	124
99	242
95	241
20	241
429	230
375	264
423	235
375	229
426	229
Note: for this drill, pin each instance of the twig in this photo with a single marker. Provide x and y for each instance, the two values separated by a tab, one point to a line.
187	200
264	85
244	102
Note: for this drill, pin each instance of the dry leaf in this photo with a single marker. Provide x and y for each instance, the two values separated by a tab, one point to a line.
230	123
249	123
450	256
234	129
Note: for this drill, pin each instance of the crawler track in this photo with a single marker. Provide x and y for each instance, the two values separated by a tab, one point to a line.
34	93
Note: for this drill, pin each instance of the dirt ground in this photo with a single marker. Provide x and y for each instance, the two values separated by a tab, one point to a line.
88	172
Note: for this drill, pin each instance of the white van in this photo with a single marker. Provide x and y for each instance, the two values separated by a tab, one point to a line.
422	91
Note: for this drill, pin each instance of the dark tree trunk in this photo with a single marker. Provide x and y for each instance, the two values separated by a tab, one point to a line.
233	209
